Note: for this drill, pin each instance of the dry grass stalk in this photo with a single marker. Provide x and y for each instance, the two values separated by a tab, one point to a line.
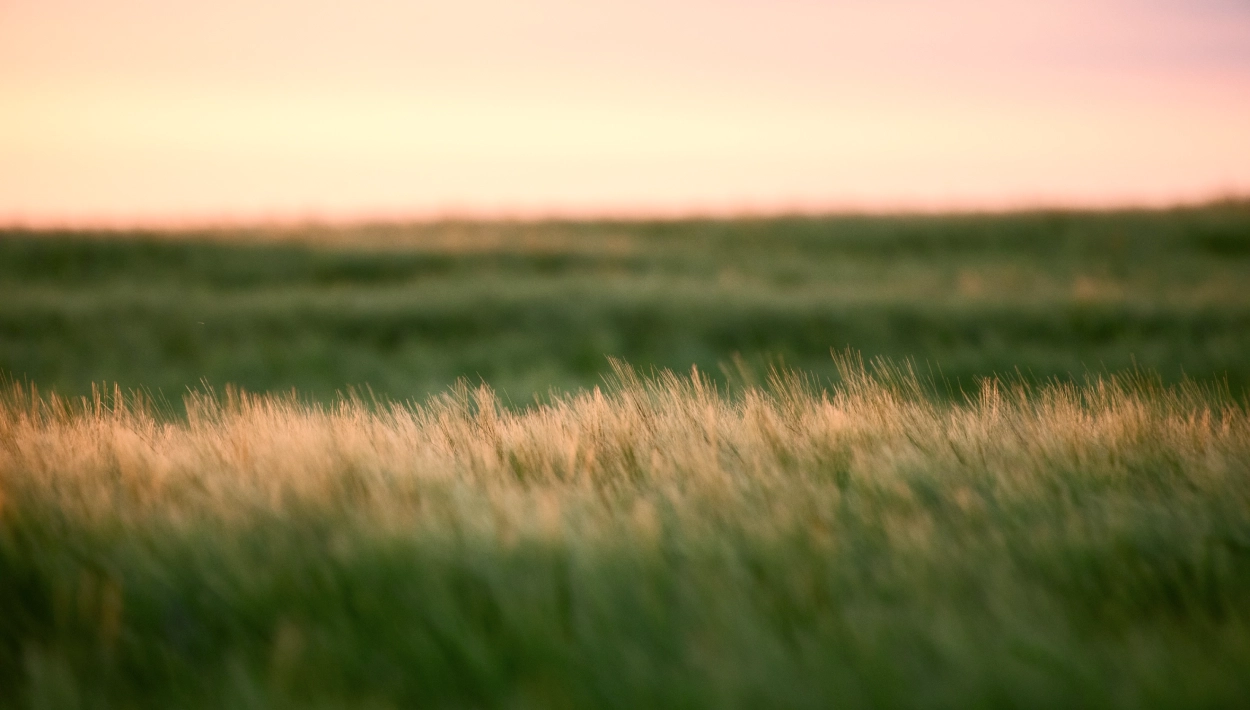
772	457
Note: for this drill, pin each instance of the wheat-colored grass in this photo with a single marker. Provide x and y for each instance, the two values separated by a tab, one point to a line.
767	458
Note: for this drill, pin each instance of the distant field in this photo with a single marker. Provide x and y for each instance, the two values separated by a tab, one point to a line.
530	307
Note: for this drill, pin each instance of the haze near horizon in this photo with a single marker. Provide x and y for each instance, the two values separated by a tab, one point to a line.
155	113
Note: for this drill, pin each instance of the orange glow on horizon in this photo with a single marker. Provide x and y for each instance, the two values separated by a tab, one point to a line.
147	112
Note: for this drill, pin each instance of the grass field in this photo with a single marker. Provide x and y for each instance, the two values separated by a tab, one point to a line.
528	307
1072	533
653	544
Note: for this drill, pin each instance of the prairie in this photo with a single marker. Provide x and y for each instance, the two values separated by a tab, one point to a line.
528	307
612	464
656	542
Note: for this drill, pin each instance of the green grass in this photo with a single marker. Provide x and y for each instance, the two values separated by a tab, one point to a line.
528	307
654	544
1076	534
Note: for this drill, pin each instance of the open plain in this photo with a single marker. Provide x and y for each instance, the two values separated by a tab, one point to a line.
616	465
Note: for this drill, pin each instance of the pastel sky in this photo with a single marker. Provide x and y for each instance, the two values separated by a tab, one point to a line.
179	111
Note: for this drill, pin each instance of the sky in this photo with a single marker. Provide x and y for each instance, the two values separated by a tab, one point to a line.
157	112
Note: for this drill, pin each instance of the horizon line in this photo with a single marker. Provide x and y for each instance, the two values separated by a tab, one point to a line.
294	220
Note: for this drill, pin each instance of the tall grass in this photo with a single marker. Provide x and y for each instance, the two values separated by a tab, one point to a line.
657	541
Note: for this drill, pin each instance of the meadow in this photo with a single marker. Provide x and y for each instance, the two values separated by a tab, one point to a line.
527	307
395	467
653	543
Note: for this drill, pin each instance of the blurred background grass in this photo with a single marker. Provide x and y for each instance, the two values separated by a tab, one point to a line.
528	307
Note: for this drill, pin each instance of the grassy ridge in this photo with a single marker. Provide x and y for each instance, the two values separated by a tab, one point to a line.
527	307
656	543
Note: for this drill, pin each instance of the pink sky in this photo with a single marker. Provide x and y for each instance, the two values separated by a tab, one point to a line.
160	111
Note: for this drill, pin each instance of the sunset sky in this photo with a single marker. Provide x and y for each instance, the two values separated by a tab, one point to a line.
171	111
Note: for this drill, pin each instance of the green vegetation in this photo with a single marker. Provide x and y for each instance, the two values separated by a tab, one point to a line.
528	307
1074	533
655	544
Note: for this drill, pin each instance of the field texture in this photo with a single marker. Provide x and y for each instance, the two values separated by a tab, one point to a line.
652	544
528	307
576	532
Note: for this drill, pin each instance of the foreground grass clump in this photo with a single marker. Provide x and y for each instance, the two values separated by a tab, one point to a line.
656	543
